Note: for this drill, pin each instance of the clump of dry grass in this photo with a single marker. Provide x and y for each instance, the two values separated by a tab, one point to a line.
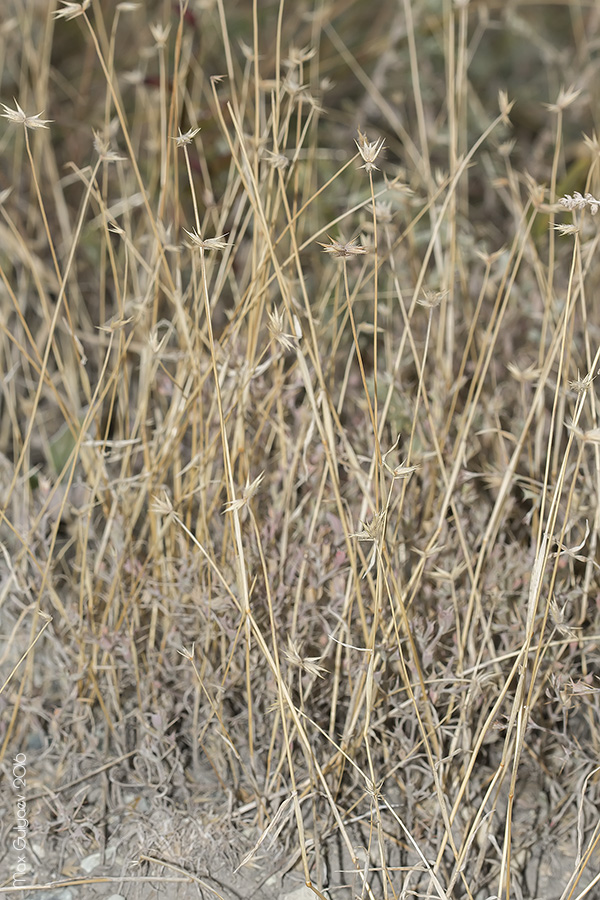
298	548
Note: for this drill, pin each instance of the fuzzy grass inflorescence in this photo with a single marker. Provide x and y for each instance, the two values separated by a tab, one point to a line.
299	450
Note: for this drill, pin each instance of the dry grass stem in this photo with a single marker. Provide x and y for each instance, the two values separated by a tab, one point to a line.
299	450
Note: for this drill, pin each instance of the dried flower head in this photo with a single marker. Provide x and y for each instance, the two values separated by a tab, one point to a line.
102	148
581	385
505	149
115	324
369	150
566	96
373	530
383	211
343	249
276	326
580	201
431	299
505	106
160	33
277	160
591	436
299	55
188	654
592	143
19	117
182	139
162	505
247	51
249	490
197	241
401	471
308	664
293	87
71	10
565	229
527	375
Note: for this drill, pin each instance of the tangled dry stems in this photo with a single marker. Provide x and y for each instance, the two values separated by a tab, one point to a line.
299	552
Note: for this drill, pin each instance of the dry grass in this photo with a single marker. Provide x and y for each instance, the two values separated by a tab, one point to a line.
298	563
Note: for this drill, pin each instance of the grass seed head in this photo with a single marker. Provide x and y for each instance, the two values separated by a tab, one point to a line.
182	139
343	249
71	10
369	150
198	242
20	117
